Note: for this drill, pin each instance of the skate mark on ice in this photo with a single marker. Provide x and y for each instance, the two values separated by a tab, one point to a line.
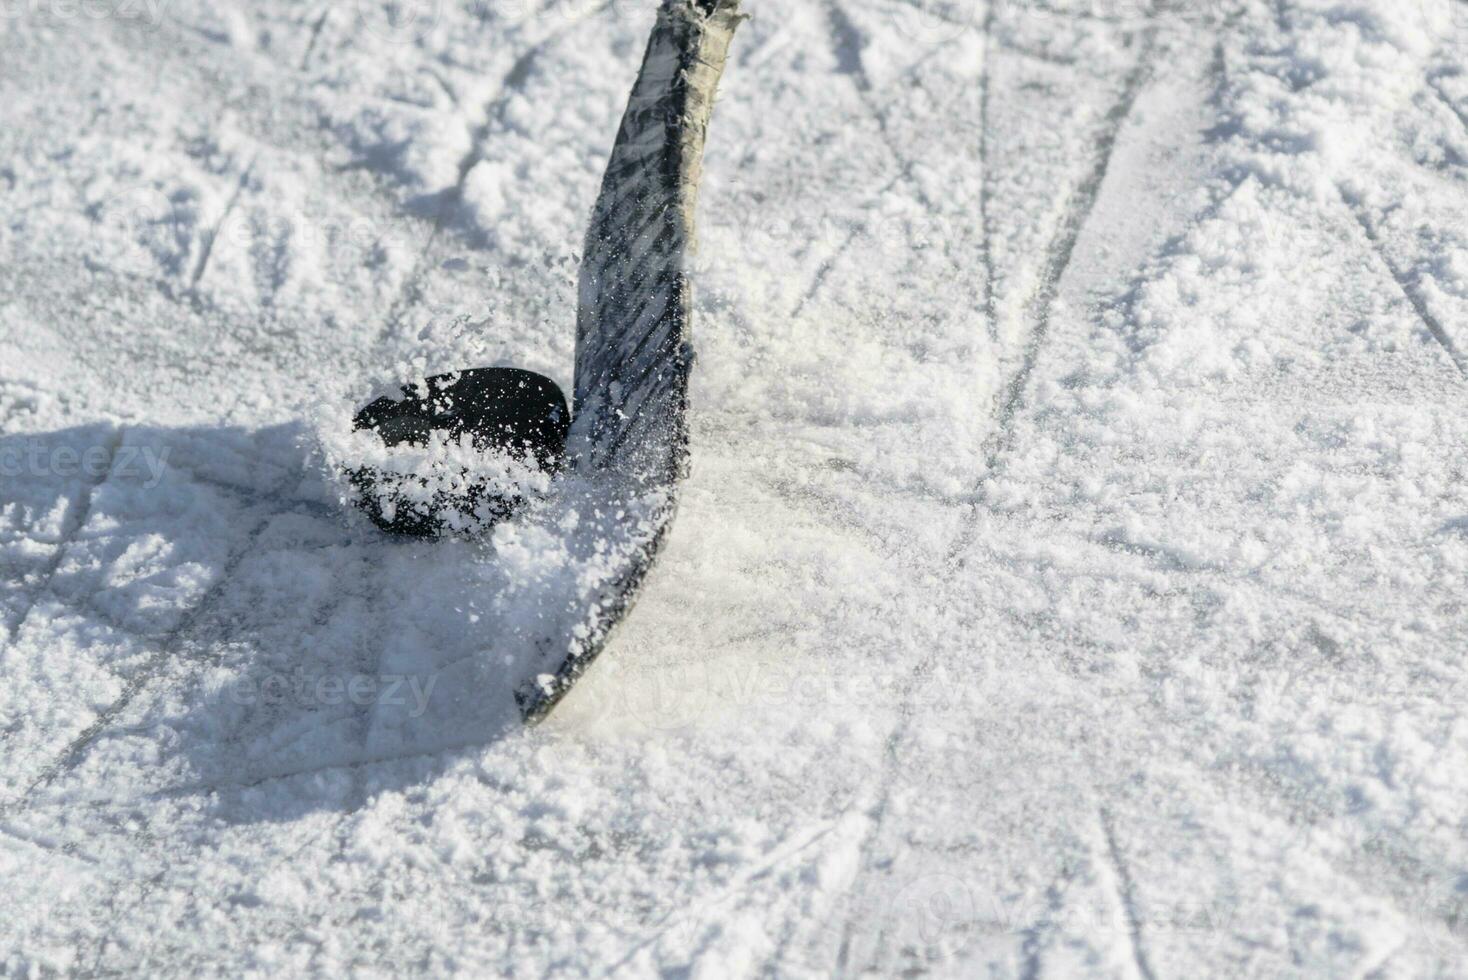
437	754
923	8
186	892
1058	257
315	37
451	200
430	754
1434	83
206	247
986	185
848	55
893	747
443	83
1083	15
679	916
903	174
789	934
145	889
1198	580
1036	54
1037	937
366	717
846	48
158	881
826	267
1126	894
75	520
274	116
1080	205
1273	787
275	498
1062	249
1404	283
167	647
70	849
1266	791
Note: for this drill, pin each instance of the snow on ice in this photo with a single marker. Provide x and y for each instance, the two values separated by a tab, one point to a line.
1070	579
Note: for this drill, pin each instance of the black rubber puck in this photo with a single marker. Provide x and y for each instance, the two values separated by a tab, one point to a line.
503	410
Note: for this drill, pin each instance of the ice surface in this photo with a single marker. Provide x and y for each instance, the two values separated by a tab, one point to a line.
1070	579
